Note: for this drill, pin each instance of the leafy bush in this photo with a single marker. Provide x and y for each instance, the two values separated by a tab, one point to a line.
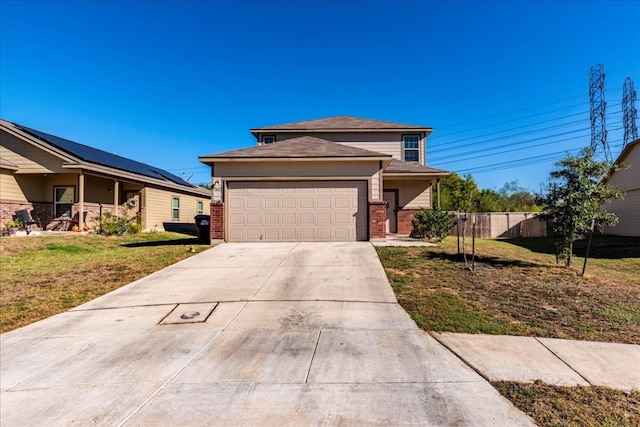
110	224
433	224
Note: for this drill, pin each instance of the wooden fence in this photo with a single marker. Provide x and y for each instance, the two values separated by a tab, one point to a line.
491	225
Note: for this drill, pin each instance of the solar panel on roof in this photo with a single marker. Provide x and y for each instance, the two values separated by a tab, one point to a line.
104	158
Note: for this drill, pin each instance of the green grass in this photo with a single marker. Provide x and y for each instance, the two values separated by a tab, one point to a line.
517	288
45	275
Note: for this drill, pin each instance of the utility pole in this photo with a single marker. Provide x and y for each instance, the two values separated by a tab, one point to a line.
598	106
629	112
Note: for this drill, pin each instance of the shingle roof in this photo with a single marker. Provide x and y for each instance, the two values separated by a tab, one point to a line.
103	158
301	147
340	123
400	166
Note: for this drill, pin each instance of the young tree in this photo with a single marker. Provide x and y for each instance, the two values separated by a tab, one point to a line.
458	192
574	196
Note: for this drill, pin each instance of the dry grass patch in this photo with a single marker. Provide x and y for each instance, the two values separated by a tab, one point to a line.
518	289
44	275
550	405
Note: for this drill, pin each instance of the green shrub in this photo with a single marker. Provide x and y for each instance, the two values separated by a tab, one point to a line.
110	224
433	224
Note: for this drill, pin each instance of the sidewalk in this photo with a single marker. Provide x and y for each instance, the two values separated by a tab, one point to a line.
553	361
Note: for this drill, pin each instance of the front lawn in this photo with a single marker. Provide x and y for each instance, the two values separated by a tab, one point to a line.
518	289
44	275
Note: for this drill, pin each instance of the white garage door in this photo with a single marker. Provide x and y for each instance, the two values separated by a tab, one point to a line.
297	211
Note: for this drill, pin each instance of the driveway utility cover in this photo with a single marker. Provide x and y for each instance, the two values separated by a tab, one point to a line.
189	313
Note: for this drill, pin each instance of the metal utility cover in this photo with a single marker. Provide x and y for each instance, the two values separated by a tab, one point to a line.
189	313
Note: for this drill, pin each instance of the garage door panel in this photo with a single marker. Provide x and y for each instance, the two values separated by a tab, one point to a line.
272	218
253	203
323	218
298	211
324	203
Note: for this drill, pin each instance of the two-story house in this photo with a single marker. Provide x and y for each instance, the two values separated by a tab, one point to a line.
334	179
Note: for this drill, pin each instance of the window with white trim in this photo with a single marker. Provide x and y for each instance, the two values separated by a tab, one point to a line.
199	208
268	139
63	201
411	148
175	208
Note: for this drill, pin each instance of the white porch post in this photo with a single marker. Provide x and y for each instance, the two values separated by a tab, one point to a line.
438	191
116	197
81	201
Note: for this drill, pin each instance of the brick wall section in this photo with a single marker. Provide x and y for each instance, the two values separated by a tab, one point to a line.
377	220
217	221
44	212
405	216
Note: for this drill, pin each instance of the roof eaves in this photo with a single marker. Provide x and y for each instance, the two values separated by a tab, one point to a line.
106	170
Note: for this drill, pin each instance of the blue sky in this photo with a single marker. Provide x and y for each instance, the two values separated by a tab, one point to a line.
503	84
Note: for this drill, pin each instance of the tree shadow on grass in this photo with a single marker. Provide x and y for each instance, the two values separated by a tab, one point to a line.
480	259
602	247
174	242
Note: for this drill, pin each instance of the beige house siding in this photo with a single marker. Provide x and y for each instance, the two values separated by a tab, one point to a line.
411	194
301	171
629	178
628	210
382	142
28	158
158	204
9	188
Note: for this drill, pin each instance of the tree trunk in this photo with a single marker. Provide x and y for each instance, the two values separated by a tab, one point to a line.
569	254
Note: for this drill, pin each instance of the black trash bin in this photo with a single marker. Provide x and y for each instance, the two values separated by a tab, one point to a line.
204	233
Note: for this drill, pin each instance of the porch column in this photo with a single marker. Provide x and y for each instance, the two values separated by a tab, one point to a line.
81	201
116	197
438	191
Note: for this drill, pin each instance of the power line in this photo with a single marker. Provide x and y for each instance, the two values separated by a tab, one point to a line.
555	141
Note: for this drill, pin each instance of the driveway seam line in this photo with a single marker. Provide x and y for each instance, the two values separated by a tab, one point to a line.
562	360
313	356
459	356
180	370
272	272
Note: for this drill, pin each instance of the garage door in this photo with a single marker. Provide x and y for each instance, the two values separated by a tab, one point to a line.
297	211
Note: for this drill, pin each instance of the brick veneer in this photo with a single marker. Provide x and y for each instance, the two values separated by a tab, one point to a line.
43	211
377	219
217	221
404	220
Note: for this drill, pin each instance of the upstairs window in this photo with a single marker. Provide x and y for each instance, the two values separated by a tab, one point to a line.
411	148
268	139
175	208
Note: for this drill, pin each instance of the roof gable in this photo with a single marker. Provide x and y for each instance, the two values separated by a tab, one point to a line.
298	148
99	157
626	150
342	123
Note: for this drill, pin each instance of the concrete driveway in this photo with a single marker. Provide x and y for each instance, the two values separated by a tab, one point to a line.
244	334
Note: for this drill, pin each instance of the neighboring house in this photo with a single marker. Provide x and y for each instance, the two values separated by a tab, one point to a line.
334	179
55	179
628	209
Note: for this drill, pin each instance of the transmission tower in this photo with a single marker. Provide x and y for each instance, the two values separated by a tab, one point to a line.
629	112
598	105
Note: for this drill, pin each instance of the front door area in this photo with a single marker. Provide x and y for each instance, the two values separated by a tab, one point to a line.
391	197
